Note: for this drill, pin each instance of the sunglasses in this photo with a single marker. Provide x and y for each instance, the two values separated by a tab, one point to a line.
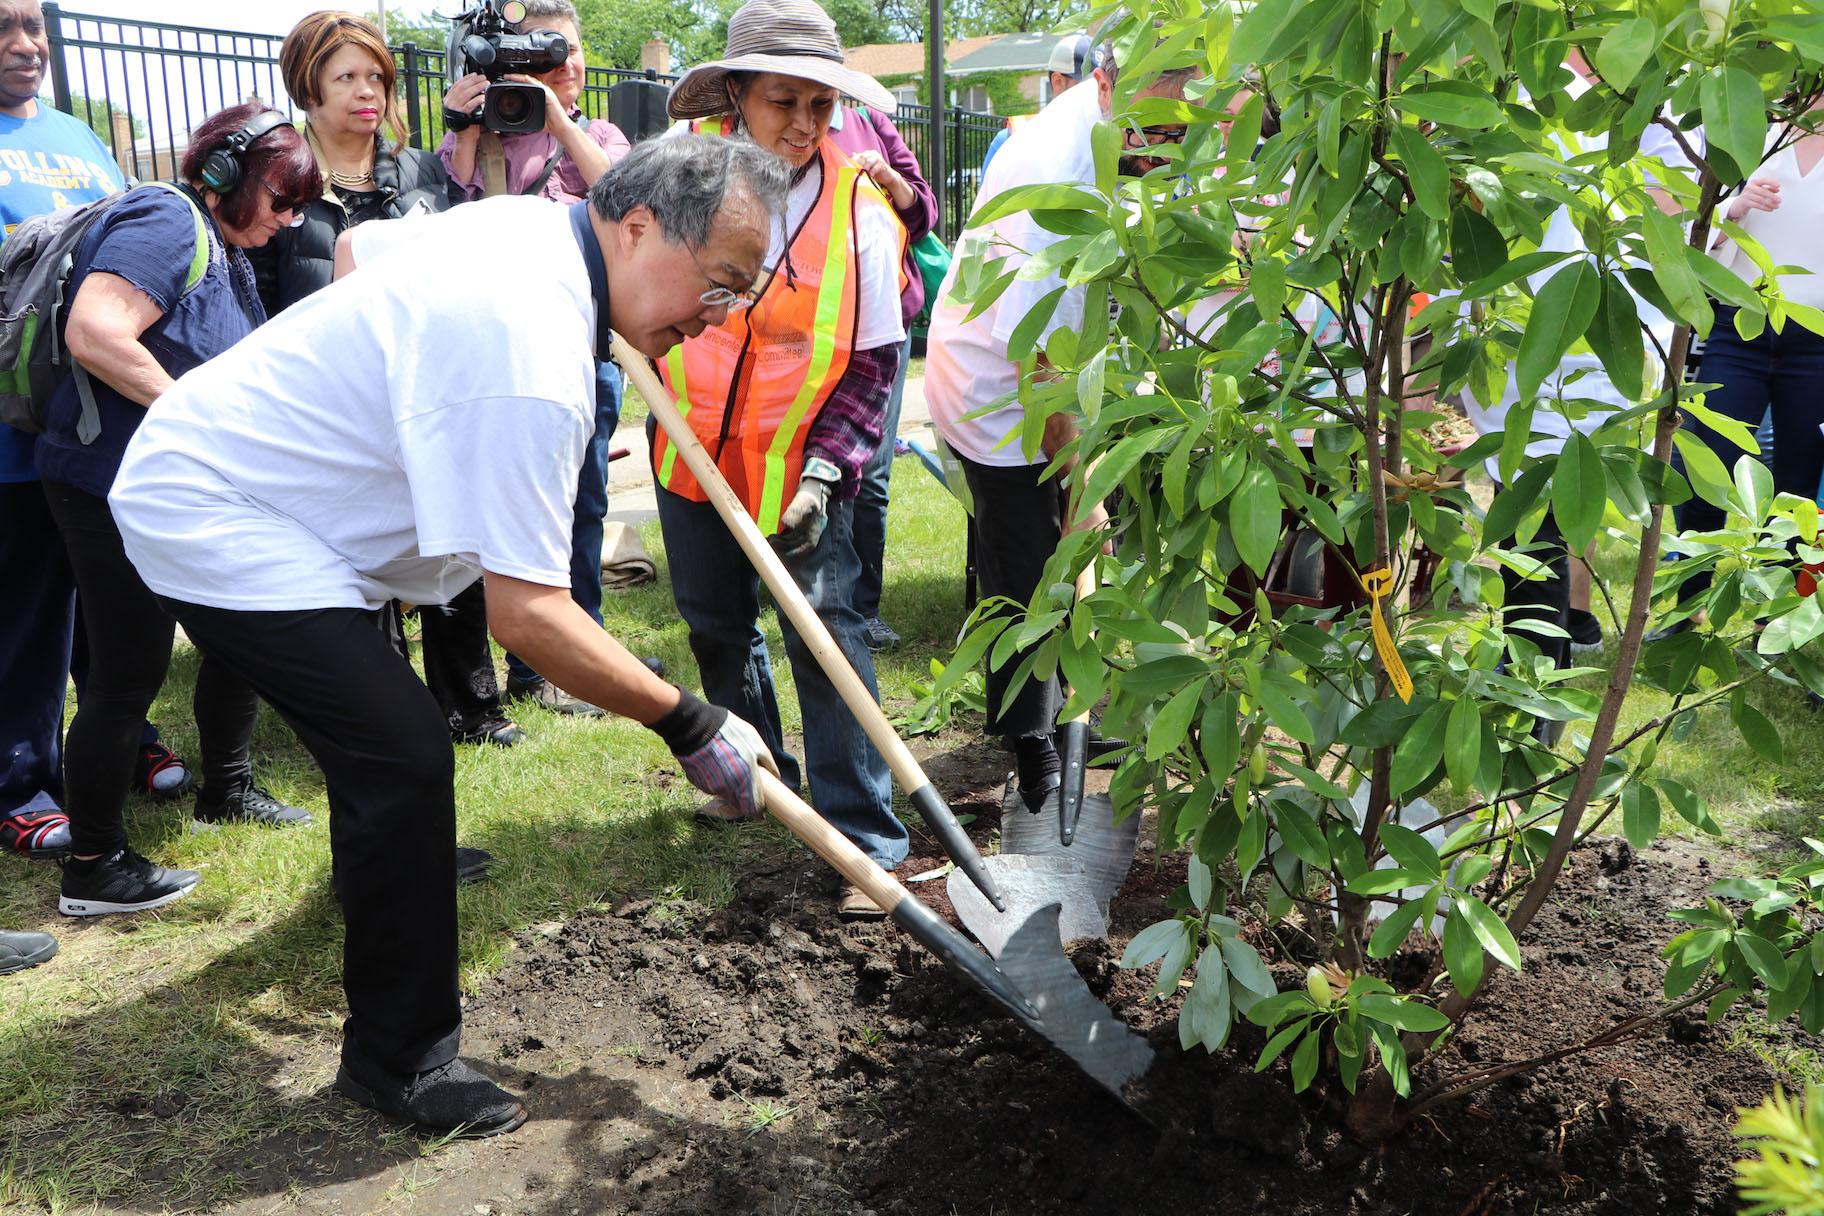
281	203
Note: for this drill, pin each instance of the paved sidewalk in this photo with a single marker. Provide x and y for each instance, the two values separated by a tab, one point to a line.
630	489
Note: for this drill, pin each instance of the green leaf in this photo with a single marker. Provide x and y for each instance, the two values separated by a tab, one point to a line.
1219	736
1200	882
1477	248
1254	517
1391	933
1490	930
1419	751
1703	469
1428	172
1624	50
1666	251
1173	722
1393	1057
1246	968
1614	334
1735	114
1462	743
1401	1013
1512	503
1152	943
1385	882
1455	103
1277	697
1763	958
1267	282
1580	491
1561	312
1640	814
1026	333
1760	734
1411	850
1304	1063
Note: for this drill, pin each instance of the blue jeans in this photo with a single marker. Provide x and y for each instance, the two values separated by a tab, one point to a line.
871	501
718	595
1779	374
591	510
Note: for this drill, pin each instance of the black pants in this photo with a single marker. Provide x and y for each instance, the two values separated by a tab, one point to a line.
384	748
458	666
1542	599
129	640
1017	522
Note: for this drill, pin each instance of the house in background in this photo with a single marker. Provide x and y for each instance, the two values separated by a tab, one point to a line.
1001	74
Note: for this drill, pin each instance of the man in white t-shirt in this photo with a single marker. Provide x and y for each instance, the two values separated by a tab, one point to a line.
1018	516
397	435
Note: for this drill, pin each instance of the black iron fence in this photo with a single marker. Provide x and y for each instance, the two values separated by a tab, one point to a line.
144	85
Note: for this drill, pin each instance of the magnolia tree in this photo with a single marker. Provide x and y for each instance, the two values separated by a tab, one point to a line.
1266	319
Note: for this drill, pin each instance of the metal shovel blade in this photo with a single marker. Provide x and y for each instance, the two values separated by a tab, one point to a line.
1069	1015
1104	848
1029	883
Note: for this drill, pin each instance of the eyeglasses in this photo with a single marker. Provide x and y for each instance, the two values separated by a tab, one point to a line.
1159	135
719	295
281	203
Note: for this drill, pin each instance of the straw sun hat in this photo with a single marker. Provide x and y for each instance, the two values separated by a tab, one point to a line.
791	37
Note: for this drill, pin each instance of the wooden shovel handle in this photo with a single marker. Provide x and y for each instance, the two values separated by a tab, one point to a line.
772	570
829	844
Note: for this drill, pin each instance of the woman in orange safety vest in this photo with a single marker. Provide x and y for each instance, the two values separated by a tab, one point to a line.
789	396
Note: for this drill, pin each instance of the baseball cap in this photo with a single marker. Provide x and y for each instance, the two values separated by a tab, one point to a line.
1074	56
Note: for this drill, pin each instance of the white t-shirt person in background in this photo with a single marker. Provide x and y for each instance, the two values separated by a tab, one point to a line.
1018	517
396	435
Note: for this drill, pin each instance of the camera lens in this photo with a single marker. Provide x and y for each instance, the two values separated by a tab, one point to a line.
511	106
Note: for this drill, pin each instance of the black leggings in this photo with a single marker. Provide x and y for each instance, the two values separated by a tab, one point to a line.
129	640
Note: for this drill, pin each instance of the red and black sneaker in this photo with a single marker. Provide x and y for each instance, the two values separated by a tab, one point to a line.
160	773
36	833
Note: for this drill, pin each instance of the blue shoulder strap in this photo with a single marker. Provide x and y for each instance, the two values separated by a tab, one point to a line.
598	274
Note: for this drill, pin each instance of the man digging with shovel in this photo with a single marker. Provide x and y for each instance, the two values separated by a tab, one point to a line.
397	435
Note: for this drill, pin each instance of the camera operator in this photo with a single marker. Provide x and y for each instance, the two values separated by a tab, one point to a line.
276	499
559	163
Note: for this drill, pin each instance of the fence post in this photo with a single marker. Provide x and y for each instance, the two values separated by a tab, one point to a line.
60	73
934	47
411	94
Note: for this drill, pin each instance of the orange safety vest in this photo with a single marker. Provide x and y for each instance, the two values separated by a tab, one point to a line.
751	387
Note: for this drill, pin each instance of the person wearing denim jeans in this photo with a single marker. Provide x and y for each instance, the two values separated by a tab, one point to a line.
718	595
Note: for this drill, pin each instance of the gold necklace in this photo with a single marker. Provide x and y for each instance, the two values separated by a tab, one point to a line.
352	180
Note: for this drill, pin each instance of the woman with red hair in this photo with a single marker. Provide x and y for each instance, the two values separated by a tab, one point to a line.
160	284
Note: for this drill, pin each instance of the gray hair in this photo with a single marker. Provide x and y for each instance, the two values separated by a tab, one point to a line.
1112	70
550	10
685	180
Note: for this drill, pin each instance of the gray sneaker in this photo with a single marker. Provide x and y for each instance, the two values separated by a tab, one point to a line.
24	949
878	634
250	805
546	695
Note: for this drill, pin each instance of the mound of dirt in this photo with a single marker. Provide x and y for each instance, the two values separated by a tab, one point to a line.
782	1062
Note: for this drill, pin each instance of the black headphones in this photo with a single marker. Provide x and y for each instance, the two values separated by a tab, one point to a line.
222	169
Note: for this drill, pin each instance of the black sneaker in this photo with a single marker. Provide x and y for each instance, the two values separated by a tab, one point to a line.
125	882
472	864
251	805
450	1099
501	732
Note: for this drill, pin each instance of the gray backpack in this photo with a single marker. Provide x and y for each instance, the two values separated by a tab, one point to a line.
35	265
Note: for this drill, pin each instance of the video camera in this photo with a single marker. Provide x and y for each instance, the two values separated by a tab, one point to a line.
480	42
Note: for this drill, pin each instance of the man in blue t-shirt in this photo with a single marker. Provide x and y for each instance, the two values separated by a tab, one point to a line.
48	161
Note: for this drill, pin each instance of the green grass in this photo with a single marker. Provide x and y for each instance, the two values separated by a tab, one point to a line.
171	1054
158	1053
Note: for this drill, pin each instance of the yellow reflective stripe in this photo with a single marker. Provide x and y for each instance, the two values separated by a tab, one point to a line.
830	293
674	363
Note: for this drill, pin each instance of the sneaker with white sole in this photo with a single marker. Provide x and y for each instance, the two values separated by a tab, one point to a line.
125	882
250	804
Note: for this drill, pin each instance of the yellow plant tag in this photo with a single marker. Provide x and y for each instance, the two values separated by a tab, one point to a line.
1378	583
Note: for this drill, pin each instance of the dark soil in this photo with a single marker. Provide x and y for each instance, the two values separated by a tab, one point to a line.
764	1058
